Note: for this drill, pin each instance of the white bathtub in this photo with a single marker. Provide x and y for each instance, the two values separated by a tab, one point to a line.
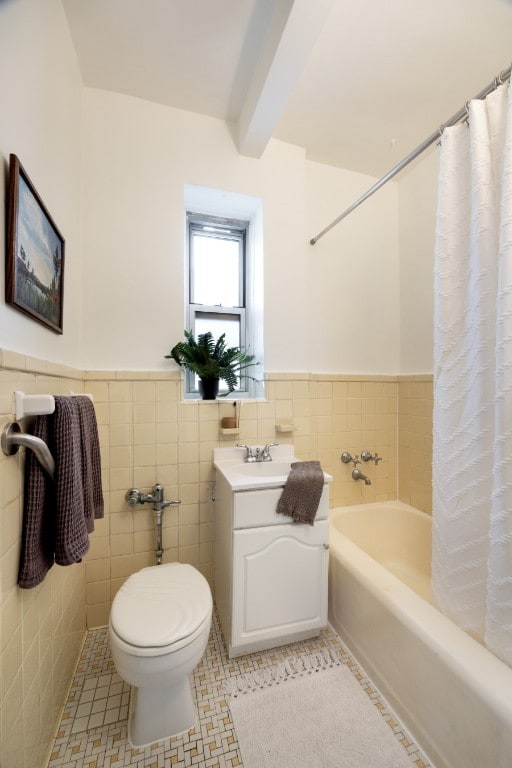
451	693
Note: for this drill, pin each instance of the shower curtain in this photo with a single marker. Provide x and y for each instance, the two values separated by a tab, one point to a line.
472	465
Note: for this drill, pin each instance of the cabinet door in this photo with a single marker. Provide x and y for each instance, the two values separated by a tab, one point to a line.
279	582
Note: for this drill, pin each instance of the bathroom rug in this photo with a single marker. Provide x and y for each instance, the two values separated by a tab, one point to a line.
310	714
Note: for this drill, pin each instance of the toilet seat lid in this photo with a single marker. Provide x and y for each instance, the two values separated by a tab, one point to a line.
161	605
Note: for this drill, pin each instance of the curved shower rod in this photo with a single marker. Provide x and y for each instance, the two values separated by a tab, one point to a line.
453	120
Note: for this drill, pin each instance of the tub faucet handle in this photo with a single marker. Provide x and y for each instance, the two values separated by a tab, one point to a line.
367	456
347	457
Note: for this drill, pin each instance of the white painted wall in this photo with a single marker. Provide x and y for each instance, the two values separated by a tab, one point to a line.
354	278
418	201
41	104
138	158
112	171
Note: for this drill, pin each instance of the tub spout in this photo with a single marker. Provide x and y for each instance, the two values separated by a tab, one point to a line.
358	475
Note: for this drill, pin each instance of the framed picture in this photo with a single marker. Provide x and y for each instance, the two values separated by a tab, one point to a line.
34	280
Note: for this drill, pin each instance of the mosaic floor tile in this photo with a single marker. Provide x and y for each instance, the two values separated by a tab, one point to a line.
93	729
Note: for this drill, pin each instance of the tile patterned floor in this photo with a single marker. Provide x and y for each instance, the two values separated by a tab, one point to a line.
92	732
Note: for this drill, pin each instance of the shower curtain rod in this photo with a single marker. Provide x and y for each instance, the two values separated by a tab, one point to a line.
453	120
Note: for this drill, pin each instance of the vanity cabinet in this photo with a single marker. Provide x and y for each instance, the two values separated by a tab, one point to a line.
270	573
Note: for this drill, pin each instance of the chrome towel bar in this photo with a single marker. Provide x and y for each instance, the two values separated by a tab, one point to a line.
12	438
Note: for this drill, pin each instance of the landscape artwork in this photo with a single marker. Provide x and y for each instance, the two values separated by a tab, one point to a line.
35	253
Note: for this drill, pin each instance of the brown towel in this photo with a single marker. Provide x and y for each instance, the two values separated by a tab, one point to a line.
58	518
302	492
77	468
38	530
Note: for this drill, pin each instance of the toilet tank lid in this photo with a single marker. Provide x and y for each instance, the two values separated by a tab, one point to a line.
161	605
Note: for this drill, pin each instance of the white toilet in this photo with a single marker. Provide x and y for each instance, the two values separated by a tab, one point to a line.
158	629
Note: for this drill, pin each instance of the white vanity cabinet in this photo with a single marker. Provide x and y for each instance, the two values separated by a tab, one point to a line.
270	573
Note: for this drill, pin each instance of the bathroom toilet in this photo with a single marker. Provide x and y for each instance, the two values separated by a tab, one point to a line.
158	631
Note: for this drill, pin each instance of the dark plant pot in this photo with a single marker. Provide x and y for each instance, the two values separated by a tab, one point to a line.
208	388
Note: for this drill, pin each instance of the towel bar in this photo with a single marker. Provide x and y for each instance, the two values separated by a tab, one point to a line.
32	405
36	405
13	437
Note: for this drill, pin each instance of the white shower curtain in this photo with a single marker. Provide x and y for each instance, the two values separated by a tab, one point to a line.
472	466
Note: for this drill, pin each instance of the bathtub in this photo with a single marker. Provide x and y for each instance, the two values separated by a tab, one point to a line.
453	695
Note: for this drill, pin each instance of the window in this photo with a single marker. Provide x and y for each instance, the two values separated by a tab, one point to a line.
218	285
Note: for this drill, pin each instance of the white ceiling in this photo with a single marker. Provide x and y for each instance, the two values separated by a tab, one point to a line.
357	83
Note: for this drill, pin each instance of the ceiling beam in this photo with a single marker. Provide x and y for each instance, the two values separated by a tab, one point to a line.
292	33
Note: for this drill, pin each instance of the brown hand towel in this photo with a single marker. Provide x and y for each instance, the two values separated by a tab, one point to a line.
71	539
91	462
302	492
38	530
58	519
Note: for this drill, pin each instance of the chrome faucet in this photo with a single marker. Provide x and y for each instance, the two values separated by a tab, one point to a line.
358	475
261	454
249	456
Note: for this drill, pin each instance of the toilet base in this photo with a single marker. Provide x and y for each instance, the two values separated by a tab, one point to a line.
161	712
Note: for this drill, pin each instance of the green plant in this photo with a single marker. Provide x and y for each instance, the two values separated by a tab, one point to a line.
211	359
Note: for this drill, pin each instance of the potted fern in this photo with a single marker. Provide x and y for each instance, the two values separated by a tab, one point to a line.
211	361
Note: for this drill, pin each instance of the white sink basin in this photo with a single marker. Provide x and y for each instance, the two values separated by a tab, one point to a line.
264	468
255	475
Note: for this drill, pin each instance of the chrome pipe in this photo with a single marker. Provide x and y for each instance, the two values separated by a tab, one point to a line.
453	120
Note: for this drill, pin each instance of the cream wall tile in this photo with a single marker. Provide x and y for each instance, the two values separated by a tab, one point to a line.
188	535
120	392
120	413
97	570
188	453
166	411
122	566
143	541
122	544
97	615
188	514
189	554
166	432
188	431
144	455
167	453
121	478
143	518
144	391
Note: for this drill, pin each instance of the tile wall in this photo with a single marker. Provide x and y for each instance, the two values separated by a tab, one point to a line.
415	404
148	434
41	629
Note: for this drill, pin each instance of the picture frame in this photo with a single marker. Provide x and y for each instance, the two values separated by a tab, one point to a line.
34	274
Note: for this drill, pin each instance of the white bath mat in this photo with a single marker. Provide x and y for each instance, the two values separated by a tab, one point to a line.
316	718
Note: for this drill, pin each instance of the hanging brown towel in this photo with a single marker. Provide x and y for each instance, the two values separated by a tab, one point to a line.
38	530
77	469
301	494
58	518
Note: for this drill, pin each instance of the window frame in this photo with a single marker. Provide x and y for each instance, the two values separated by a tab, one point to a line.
239	229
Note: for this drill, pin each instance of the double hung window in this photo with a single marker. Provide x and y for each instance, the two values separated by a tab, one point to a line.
217	284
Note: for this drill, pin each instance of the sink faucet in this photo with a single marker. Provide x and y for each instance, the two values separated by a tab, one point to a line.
249	456
358	475
262	454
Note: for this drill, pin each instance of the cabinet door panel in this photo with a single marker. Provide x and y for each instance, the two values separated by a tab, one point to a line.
279	581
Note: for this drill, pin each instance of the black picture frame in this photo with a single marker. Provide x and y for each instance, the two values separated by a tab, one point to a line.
34	265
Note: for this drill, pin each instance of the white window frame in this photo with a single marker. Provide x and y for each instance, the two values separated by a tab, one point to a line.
240	229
